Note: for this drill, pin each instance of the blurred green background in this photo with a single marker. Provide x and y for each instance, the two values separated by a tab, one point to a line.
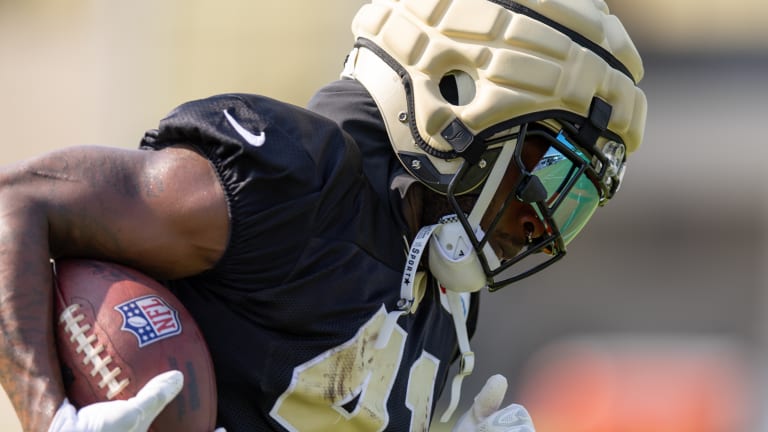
657	320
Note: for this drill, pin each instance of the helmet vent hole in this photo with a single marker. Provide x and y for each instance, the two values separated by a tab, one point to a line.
457	88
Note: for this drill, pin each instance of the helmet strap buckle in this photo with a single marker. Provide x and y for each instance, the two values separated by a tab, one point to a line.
597	123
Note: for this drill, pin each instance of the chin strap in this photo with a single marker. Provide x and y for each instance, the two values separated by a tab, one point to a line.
447	234
411	276
467	363
454	263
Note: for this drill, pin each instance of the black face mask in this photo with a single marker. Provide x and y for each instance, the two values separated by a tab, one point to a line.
559	183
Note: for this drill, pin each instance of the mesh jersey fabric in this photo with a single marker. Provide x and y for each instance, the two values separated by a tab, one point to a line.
315	254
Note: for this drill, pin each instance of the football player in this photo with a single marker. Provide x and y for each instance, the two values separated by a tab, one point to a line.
333	256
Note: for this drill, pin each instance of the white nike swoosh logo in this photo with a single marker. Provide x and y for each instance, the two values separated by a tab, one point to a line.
248	136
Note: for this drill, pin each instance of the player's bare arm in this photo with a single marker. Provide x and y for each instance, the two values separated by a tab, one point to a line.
162	212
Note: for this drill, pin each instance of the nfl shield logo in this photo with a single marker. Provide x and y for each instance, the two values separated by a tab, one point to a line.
150	319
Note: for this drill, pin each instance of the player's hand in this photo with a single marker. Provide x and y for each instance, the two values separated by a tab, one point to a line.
133	415
485	416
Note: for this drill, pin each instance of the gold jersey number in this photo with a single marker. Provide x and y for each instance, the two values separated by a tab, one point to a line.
347	387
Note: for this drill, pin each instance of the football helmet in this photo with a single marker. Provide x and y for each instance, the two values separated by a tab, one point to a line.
474	93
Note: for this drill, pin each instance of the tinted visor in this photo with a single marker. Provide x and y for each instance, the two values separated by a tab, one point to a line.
546	177
572	196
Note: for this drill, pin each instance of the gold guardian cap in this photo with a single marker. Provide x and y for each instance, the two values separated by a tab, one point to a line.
461	84
513	62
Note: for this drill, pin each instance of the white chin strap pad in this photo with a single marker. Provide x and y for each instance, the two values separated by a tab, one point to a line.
453	261
455	264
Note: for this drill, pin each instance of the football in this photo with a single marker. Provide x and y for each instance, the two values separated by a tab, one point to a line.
118	328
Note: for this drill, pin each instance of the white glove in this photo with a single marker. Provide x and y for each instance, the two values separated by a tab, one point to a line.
485	416
133	415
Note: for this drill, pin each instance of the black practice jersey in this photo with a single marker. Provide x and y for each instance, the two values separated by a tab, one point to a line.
293	310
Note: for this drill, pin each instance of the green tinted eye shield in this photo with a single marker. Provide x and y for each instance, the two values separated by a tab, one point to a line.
559	184
565	193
